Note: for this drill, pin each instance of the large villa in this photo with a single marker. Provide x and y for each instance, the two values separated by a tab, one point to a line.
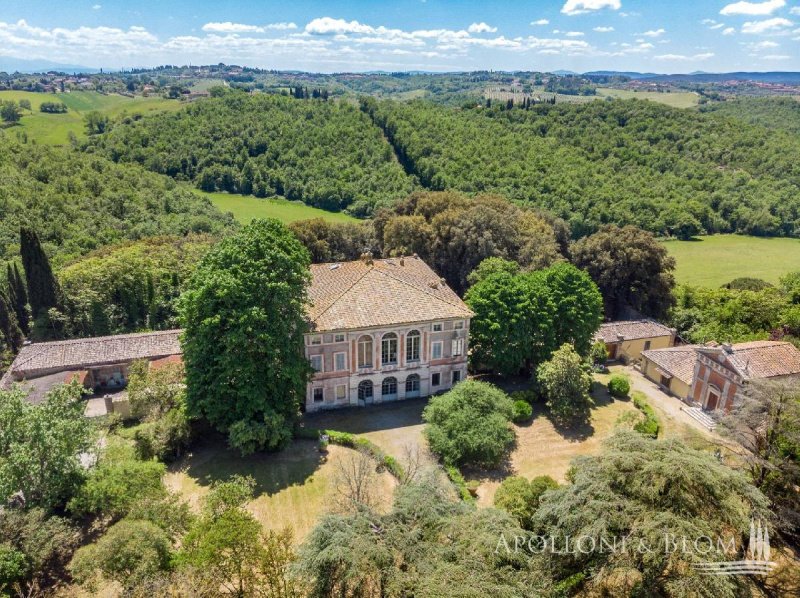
381	330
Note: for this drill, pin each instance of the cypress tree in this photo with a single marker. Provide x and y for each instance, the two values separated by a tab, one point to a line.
43	289
18	297
9	329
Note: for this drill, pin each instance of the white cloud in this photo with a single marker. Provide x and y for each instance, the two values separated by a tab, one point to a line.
328	26
766	26
653	33
603	29
281	26
540	22
795	10
481	28
574	34
753	8
228	27
777	57
97	7
578	7
763	45
729	31
712	24
684	58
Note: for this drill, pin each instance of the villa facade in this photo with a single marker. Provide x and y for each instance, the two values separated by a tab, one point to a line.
383	330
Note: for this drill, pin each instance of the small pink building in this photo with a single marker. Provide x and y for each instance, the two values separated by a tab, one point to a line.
383	330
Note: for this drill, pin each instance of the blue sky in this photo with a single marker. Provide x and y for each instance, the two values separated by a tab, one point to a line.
436	35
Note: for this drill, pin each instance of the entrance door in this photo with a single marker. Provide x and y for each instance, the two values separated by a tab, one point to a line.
713	399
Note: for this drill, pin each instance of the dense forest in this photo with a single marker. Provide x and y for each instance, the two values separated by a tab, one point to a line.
663	169
327	154
780	114
667	170
80	202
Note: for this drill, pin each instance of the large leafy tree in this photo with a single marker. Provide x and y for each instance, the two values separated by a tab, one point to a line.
455	233
652	493
631	268
565	383
469	425
40	445
521	318
244	318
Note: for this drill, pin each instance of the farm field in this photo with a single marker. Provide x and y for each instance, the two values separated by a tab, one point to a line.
246	207
681	99
54	129
716	260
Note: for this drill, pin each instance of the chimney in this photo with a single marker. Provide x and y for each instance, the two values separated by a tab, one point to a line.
366	257
727	347
402	261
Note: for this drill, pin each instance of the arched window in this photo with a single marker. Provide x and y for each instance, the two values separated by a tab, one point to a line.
389	349
389	389
365	391
412	345
365	352
412	386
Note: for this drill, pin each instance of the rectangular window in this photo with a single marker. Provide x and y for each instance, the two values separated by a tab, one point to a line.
436	350
389	349
316	363
341	392
436	379
365	352
646	345
412	346
437	327
459	325
456	377
339	361
316	340
338	338
319	395
457	347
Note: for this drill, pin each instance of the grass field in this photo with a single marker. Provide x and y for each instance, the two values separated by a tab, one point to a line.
718	259
54	129
246	207
294	487
682	99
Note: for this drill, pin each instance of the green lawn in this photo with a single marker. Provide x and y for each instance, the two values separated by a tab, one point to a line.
680	99
54	129
715	260
246	207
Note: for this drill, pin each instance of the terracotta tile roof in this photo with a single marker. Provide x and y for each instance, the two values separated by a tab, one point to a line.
678	362
384	293
765	359
40	358
630	330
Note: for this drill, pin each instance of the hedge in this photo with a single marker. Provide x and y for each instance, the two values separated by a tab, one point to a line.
359	443
650	426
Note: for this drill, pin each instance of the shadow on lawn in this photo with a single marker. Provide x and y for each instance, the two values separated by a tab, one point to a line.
361	420
212	461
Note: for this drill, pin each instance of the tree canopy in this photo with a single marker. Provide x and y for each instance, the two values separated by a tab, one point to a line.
243	314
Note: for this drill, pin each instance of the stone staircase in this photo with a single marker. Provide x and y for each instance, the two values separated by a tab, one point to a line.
701	416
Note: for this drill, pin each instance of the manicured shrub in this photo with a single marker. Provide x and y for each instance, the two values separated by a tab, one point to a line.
619	386
469	425
522	412
598	353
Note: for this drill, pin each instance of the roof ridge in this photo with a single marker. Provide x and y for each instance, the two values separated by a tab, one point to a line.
86	339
